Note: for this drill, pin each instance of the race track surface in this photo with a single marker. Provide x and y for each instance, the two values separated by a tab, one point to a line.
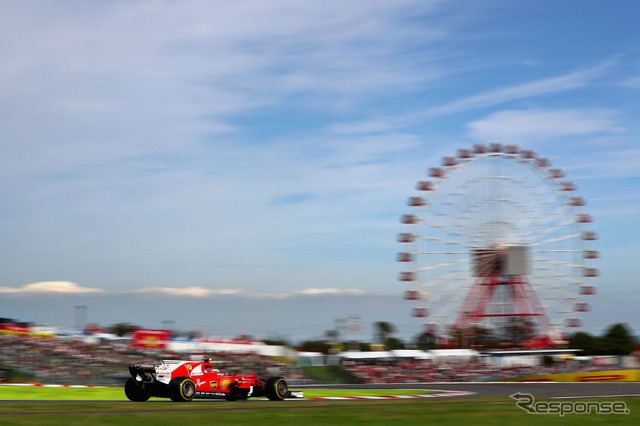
494	390
498	389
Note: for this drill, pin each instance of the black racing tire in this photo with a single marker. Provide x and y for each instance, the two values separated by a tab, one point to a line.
134	392
276	389
182	389
233	393
238	394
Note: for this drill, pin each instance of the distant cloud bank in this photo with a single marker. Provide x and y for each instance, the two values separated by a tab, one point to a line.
50	287
67	287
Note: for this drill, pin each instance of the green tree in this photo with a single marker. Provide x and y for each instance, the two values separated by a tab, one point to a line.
426	341
332	335
122	328
589	344
314	346
383	330
482	337
618	340
393	343
277	341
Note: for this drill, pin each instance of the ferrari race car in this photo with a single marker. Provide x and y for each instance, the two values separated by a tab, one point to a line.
185	380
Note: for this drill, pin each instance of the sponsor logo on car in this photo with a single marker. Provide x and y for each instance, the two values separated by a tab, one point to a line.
210	394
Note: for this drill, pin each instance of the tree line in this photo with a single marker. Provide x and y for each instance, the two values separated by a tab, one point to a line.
618	339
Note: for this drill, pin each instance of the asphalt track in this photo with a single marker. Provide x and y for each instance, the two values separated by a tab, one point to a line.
502	389
492	390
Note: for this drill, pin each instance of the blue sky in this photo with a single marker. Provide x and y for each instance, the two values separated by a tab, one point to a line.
260	150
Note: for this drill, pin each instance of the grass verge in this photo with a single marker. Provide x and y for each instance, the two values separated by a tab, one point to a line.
320	413
22	393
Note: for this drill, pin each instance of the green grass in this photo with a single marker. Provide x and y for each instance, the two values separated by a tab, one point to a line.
331	374
441	411
320	413
17	393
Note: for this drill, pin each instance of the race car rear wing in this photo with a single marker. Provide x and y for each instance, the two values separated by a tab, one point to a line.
143	373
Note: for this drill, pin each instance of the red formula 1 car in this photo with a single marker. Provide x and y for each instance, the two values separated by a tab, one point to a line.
186	380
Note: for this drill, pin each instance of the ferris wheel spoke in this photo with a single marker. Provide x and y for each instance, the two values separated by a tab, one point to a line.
454	262
441	286
555	240
555	228
448	303
447	229
444	300
434	282
475	182
447	288
557	251
440	240
513	222
547	279
441	252
559	262
534	219
556	298
559	275
548	218
440	292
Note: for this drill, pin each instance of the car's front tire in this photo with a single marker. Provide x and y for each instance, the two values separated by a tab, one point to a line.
182	389
276	389
134	392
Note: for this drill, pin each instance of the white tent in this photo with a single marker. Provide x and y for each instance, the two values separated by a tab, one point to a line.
366	355
400	353
411	353
444	355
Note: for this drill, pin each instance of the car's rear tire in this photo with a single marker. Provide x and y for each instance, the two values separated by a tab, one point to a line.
134	392
182	389
276	389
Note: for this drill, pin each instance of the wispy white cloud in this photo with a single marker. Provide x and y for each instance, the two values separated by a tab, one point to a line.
631	82
539	87
194	291
165	139
62	287
107	82
514	126
561	83
330	291
307	292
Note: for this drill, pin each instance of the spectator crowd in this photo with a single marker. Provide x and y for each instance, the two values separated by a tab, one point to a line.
420	371
70	360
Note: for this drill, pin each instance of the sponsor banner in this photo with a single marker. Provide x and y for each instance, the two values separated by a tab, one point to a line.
144	338
14	329
590	376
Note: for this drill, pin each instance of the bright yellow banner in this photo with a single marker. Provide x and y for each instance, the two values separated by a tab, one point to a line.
591	376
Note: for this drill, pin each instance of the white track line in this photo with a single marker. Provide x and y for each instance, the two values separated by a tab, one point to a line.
597	396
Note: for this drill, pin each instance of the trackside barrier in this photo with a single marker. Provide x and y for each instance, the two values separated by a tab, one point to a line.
591	376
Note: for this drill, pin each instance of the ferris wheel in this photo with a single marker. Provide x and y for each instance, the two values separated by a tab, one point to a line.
498	236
